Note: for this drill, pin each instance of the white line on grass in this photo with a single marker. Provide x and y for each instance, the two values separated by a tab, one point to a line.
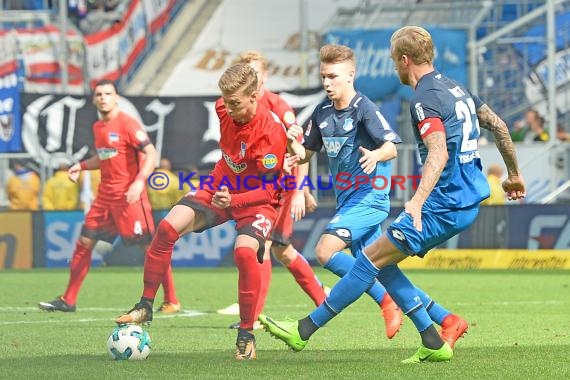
182	314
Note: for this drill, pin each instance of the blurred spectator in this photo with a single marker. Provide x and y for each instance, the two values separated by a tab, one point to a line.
89	185
530	129
562	134
497	197
99	16
23	188
60	193
163	198
29	5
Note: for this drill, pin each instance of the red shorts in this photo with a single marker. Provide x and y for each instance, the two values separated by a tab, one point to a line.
283	228
133	222
256	221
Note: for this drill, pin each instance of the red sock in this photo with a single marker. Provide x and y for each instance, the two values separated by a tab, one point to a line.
305	277
80	264
158	256
249	283
168	287
265	273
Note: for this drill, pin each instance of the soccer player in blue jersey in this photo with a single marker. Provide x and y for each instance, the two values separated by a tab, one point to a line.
446	121
360	146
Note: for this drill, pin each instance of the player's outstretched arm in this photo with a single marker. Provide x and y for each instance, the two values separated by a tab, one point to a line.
514	185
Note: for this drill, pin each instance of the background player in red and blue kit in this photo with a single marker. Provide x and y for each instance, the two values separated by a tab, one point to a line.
295	202
126	158
253	145
446	120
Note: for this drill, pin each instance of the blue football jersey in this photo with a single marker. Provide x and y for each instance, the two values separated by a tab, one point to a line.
342	132
462	182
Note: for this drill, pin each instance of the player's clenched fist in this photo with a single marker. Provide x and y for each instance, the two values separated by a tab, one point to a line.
222	198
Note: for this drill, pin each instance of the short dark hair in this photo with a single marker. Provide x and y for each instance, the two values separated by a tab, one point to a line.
104	82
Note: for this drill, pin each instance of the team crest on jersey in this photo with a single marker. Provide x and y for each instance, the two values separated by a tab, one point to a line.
323	125
113	137
269	161
107	153
236	168
419	111
348	126
242	150
333	145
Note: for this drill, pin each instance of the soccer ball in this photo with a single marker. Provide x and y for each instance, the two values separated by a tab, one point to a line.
128	342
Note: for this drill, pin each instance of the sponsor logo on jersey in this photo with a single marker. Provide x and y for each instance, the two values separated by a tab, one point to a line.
269	161
236	168
107	153
323	125
419	111
389	136
348	125
333	145
113	137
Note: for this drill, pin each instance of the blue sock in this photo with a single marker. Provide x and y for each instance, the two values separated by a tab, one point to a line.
350	287
436	312
404	293
340	263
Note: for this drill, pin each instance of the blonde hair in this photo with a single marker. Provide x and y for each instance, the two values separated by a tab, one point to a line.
240	76
337	54
414	42
251	55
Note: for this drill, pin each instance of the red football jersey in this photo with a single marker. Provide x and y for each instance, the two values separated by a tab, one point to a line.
280	107
118	143
250	152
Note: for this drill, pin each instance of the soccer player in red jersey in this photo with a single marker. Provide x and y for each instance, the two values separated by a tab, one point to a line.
295	202
126	158
243	188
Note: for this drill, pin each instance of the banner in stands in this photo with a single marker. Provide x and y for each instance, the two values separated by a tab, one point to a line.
375	74
10	116
157	13
184	130
39	48
536	83
8	52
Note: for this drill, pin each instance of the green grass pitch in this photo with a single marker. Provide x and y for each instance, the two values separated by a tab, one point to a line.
519	329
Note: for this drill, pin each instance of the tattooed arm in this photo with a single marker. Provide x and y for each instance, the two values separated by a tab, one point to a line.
514	184
433	166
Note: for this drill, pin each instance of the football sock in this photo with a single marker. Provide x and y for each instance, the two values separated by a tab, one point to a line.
80	263
431	339
158	258
340	263
436	312
346	291
249	284
307	328
404	293
265	276
168	287
305	277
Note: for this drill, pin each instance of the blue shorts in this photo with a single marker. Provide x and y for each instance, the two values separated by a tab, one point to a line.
357	224
438	225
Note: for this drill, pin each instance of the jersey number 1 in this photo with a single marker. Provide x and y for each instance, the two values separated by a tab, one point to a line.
466	112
